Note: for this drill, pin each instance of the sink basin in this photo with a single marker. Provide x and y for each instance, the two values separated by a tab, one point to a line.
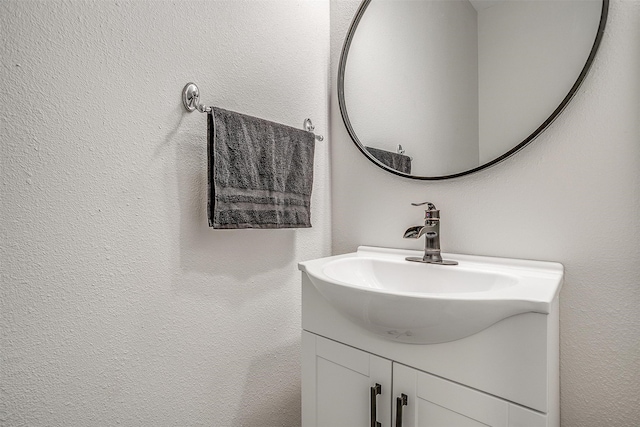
417	303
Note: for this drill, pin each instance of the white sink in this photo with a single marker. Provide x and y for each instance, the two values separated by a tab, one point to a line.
419	303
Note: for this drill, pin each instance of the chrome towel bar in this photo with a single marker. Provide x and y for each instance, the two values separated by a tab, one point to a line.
191	102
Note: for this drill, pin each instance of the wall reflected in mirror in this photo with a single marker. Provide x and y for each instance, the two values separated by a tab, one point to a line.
459	83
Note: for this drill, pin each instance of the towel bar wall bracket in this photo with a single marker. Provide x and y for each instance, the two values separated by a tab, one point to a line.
191	102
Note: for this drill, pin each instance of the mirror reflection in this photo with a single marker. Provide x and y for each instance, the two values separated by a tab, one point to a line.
434	88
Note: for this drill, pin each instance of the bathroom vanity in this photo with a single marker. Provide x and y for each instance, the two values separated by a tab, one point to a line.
371	357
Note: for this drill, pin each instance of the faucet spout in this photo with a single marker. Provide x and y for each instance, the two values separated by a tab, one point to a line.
414	232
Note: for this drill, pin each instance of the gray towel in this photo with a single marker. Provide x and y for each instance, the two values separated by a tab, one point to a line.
396	161
260	172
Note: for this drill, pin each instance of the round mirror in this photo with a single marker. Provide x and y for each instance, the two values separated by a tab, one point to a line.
436	89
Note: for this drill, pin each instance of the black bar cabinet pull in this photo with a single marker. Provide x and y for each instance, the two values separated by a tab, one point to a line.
400	402
375	391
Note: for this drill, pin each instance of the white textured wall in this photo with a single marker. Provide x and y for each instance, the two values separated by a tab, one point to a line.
572	196
119	306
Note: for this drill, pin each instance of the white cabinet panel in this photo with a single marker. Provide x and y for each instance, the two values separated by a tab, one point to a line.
341	395
433	415
523	417
336	385
472	403
435	402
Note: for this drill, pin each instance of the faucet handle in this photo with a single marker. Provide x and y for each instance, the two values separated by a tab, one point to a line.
431	213
430	206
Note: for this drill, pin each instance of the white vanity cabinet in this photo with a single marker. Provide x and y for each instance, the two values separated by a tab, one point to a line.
347	387
506	375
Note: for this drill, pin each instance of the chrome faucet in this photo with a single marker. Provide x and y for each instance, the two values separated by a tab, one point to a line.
431	233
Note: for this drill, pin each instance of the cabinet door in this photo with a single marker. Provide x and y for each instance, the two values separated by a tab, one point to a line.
434	402
337	382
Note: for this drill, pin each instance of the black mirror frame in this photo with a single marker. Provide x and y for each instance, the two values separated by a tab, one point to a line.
345	117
